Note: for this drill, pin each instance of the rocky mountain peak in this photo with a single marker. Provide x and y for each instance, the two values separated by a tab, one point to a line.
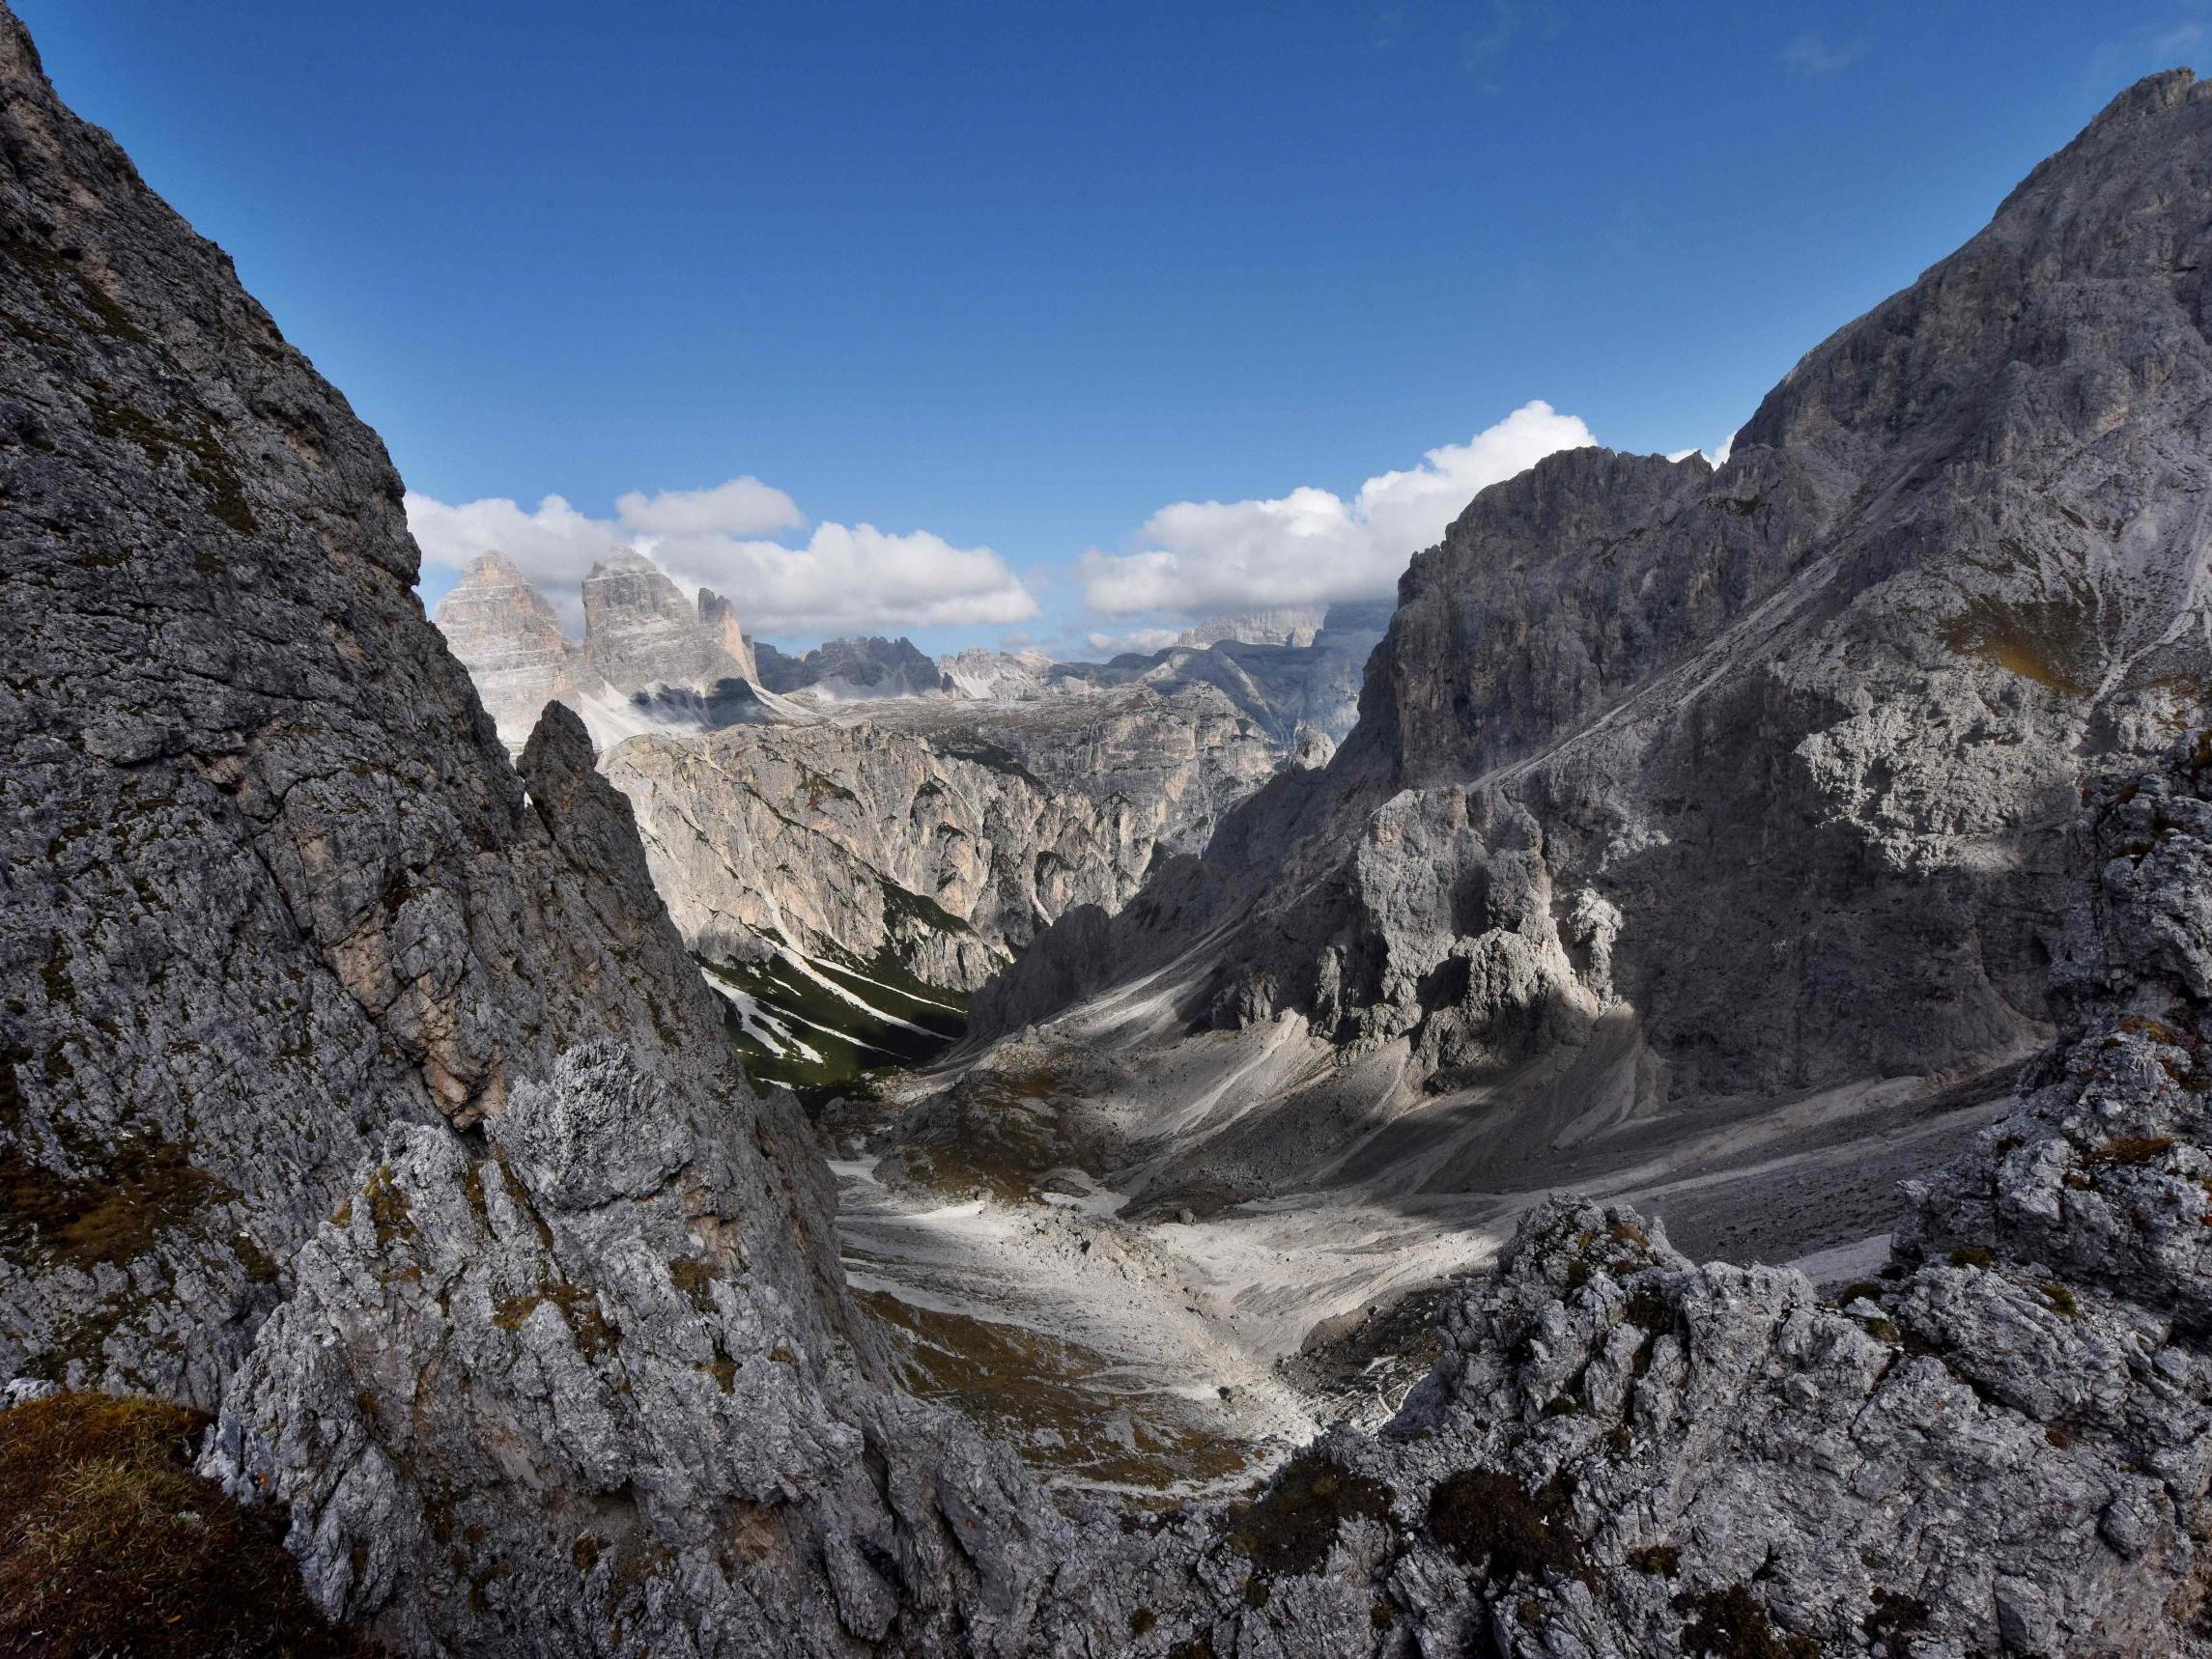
358	1086
509	638
323	1024
725	635
856	668
1750	769
1281	625
638	630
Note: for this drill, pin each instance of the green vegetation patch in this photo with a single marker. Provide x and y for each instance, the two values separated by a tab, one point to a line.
206	462
62	272
1290	1529
1499	1528
110	1544
847	1042
918	913
142	1188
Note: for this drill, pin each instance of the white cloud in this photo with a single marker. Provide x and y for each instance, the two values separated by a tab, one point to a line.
553	545
742	507
851	578
1717	455
843	580
1312	546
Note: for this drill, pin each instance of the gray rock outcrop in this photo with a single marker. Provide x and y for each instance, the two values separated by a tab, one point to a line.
355	1080
1758	764
509	638
850	670
939	835
640	632
313	1003
726	636
1288	686
1282	625
1000	676
2001	1443
648	661
546	1393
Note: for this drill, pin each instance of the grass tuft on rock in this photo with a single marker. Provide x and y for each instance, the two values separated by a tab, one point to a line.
110	1544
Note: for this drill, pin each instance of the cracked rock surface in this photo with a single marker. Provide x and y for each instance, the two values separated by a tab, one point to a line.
1679	787
356	1082
357	1086
2000	1443
939	834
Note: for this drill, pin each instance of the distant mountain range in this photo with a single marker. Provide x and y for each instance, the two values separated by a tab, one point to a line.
853	840
388	1228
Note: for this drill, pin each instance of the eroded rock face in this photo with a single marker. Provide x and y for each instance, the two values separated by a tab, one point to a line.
939	835
848	670
2000	1444
640	632
718	617
358	1081
510	640
313	1001
270	873
999	675
1763	760
1282	625
547	1390
1294	670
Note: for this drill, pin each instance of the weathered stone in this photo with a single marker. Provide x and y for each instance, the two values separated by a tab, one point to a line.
314	1004
358	1081
640	633
510	640
1751	772
718	617
846	670
938	833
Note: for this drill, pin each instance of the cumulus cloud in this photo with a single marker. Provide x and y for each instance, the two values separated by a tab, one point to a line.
1718	453
843	579
742	507
851	578
1312	546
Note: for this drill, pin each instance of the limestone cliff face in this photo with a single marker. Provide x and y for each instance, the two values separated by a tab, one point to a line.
849	670
937	835
719	618
1760	764
356	1081
640	633
998	675
303	982
648	661
1292	672
1282	625
510	640
2001	1443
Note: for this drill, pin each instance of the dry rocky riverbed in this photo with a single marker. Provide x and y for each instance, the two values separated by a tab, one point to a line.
1158	1356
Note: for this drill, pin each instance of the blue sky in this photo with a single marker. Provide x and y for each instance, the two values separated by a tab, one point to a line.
1017	277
